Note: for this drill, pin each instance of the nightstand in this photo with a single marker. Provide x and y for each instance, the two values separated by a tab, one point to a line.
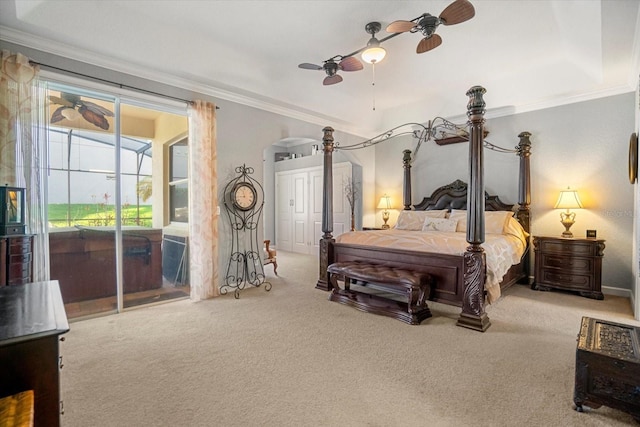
570	264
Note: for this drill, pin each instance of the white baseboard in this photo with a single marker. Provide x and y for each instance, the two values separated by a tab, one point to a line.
620	292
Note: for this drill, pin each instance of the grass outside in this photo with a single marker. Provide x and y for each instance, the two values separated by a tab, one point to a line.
97	214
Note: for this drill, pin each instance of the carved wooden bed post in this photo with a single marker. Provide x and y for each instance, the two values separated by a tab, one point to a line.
327	210
473	315
406	183
524	191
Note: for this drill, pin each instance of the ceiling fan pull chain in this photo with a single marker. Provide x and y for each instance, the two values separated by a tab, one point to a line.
373	84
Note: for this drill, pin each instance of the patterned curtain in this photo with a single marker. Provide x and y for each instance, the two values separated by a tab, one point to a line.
203	202
23	143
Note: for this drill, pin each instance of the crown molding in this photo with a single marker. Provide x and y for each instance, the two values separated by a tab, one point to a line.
235	95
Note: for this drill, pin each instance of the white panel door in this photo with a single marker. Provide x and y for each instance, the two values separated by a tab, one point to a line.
300	193
315	210
284	207
341	207
299	207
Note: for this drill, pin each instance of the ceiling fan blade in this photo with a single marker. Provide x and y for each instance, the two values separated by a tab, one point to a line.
97	108
350	64
60	101
307	66
57	115
457	12
331	80
429	43
400	26
93	118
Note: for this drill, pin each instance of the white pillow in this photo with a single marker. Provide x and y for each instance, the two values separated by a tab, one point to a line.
494	221
439	224
413	220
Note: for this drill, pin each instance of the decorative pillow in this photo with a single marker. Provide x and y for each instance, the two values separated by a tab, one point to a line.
439	224
494	221
413	220
460	217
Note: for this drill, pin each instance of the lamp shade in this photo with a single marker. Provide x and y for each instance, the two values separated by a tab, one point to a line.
374	53
568	200
385	202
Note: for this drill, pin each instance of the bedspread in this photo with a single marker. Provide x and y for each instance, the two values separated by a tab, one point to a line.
502	251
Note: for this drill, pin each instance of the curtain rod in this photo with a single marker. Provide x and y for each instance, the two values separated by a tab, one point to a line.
120	85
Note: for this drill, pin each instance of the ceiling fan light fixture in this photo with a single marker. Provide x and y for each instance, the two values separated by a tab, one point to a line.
374	53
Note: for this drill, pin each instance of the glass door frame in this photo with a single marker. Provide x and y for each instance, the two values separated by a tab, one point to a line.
118	96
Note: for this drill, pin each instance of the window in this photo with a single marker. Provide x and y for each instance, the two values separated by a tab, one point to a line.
178	183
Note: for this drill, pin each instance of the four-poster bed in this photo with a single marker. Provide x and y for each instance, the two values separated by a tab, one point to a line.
455	279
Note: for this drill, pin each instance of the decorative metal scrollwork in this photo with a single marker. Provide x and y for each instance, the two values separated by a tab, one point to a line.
245	262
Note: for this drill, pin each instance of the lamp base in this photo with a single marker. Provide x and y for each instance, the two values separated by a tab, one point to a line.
567	219
385	218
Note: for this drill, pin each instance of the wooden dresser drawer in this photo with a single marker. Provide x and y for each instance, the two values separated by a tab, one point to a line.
568	281
16	260
19	245
573	264
560	246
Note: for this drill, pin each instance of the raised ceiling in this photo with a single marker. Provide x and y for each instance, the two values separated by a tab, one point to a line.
527	54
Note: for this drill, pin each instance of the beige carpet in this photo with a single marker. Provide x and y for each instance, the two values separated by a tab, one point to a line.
290	357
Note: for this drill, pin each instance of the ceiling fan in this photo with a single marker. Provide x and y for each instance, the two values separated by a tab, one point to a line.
457	12
331	67
72	106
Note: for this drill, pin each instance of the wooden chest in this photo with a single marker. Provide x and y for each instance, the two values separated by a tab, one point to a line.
608	366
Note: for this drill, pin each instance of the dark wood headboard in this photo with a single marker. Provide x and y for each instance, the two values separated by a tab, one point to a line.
454	196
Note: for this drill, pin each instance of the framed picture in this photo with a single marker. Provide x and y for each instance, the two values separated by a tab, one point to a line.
591	234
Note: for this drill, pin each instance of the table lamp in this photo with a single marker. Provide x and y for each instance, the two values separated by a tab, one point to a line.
385	203
568	200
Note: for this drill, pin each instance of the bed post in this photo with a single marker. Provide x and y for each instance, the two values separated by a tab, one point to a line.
406	184
473	315
524	191
327	210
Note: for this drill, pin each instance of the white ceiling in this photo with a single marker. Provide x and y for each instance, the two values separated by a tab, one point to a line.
527	54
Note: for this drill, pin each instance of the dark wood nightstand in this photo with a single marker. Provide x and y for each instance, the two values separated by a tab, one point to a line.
573	264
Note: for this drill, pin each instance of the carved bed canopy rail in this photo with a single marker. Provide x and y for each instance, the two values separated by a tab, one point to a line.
472	264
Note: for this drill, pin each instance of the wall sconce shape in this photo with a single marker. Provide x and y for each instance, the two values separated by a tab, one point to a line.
374	53
568	199
386	204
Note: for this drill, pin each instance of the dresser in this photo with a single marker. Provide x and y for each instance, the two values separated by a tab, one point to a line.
570	264
33	319
16	259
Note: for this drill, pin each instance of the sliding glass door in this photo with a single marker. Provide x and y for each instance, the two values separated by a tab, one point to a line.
107	187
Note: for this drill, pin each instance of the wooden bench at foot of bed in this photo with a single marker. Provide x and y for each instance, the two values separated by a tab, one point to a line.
416	286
